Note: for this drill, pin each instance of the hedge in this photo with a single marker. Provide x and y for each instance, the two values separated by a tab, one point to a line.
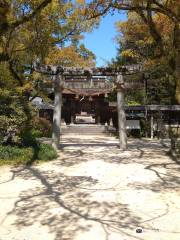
15	155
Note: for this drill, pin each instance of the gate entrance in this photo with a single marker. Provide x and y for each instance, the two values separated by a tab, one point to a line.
88	85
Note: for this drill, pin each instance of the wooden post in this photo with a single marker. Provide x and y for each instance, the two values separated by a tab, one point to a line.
121	113
146	122
57	111
152	123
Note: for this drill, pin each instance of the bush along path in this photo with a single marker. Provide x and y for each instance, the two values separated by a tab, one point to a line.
22	146
15	155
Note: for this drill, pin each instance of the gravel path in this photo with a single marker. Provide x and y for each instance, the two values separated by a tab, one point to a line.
94	191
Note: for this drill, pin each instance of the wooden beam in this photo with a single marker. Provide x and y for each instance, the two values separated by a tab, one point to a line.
152	124
121	113
163	107
74	71
57	112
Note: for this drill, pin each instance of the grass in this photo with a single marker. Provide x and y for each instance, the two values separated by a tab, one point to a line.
16	155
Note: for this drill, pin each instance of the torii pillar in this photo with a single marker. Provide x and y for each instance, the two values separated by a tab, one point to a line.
56	127
121	112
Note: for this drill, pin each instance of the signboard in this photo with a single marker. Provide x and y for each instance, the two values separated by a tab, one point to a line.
133	124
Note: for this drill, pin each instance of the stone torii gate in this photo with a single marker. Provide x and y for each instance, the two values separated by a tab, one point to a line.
59	73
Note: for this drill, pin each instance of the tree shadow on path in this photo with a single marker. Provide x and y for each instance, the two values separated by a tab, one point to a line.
61	205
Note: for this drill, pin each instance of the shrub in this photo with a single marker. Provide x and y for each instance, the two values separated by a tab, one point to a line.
16	155
46	152
27	138
37	133
178	149
41	127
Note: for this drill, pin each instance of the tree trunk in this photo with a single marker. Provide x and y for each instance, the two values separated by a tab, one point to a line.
177	60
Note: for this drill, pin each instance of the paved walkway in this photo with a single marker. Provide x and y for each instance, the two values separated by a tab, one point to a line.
93	191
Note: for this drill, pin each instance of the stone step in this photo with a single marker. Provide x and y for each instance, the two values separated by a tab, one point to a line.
84	129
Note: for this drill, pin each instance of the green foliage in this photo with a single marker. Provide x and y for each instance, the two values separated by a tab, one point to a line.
161	86
15	155
12	114
112	96
27	138
46	152
134	98
178	149
53	25
41	127
31	30
86	53
37	133
71	56
137	45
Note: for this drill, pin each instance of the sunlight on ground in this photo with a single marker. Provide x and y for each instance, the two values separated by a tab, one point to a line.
93	191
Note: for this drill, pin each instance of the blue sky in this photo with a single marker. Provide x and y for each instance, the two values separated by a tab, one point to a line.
101	41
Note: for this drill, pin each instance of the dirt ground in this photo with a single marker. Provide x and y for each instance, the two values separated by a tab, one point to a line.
93	191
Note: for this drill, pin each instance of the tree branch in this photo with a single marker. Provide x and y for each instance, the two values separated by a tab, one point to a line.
70	33
24	19
14	73
4	57
152	28
167	11
97	13
159	9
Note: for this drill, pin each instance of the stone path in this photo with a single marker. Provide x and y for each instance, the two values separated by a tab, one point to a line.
93	191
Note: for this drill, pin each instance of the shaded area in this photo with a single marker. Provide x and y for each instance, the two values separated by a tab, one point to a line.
90	188
71	205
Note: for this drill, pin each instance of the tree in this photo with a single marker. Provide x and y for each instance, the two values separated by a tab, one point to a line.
71	56
53	24
28	13
14	111
31	30
146	9
138	46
